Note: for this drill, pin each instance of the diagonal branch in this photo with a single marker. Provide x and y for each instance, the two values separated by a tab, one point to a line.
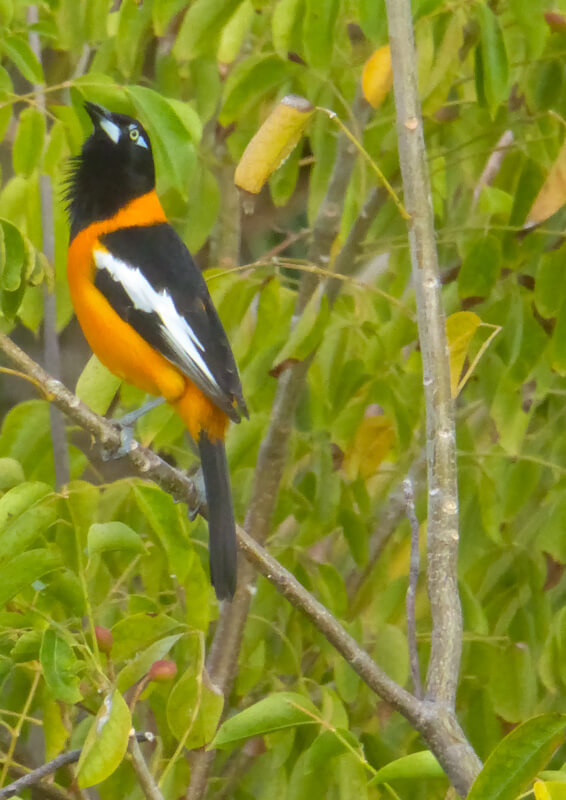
71	757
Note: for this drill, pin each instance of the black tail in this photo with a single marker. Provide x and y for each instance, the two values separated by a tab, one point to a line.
221	527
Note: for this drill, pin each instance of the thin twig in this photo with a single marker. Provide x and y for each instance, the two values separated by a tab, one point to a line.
412	589
15	733
145	778
493	164
71	757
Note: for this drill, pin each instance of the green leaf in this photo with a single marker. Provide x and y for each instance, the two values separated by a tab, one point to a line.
318	32
494	70
28	144
480	268
13	257
54	730
202	26
558	350
23	517
133	633
513	686
165	519
356	535
140	665
22	56
202	209
249	81
162	12
274	713
234	32
309	330
21	571
193	706
519	758
285	16
11	474
97	386
103	536
550	283
106	743
59	664
415	766
174	130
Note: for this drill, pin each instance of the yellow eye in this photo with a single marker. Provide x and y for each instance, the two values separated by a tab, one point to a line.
134	134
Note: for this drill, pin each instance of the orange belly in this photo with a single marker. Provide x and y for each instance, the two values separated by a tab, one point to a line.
122	350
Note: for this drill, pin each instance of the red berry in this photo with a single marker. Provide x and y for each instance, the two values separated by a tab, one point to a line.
162	670
555	21
104	639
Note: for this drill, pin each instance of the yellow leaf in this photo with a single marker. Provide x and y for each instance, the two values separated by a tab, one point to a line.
541	792
460	330
552	195
372	443
550	790
273	142
377	76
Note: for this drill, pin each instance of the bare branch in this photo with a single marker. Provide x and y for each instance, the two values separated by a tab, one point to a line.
51	351
412	590
34	777
145	778
493	165
442	532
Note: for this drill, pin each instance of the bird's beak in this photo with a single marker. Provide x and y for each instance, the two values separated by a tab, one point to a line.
96	113
102	120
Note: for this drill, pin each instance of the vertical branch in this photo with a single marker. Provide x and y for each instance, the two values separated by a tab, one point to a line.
441	440
51	352
412	590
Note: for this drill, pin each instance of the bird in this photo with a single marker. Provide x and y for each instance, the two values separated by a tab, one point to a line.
145	309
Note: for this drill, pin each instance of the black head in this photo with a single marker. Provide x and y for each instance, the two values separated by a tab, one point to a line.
114	167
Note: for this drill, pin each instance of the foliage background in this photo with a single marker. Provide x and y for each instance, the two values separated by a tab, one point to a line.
202	76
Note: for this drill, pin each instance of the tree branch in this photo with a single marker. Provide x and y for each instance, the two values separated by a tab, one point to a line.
444	734
145	778
442	534
51	351
435	722
412	590
34	777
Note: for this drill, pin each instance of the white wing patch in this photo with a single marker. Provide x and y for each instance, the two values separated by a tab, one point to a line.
174	328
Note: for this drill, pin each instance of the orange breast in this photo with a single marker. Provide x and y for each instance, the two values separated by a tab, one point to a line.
118	346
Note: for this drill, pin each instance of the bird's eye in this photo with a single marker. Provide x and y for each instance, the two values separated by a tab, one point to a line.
134	134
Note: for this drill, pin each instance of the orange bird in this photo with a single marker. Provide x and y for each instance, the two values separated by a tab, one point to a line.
145	309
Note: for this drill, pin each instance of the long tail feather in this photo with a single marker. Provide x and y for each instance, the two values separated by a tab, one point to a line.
221	527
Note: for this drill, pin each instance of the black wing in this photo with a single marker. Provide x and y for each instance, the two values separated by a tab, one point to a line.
150	279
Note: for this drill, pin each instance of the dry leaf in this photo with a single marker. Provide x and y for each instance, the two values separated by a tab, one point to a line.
552	196
377	76
273	142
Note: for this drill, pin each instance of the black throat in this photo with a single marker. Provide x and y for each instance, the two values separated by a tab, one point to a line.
103	180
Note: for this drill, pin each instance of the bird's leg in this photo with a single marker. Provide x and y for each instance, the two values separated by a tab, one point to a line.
126	425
